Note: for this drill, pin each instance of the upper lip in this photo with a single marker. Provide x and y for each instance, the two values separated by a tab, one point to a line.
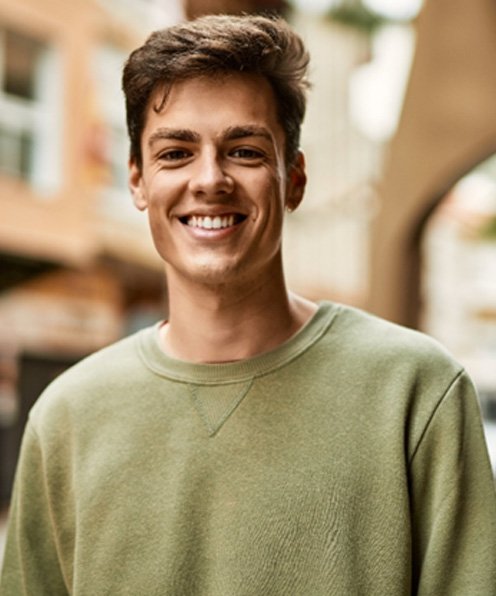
221	210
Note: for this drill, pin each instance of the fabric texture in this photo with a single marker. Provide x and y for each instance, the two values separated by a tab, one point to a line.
348	461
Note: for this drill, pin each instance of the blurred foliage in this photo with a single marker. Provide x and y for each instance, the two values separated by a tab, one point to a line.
354	14
488	230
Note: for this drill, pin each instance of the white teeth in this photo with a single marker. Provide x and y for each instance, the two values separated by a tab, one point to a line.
209	223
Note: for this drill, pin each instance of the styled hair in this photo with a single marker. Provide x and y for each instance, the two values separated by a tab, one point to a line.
219	45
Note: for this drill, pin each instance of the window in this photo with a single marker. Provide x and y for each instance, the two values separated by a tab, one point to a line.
21	58
109	61
111	123
29	142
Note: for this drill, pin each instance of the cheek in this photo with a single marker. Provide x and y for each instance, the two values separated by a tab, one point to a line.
266	184
160	201
156	230
157	222
165	186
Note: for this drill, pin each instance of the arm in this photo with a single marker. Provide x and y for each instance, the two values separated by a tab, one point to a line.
453	501
31	563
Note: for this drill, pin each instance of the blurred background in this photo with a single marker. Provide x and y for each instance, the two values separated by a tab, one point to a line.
399	216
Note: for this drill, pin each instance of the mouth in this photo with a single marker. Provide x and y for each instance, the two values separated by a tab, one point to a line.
216	222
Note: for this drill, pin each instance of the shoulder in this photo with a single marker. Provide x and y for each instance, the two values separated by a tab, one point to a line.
386	344
402	376
111	361
92	383
388	363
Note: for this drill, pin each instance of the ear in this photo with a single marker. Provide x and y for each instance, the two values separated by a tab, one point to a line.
135	181
297	180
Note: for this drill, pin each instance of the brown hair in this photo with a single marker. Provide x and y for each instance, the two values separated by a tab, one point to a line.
214	45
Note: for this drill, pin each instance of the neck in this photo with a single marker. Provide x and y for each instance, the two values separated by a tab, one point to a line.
211	324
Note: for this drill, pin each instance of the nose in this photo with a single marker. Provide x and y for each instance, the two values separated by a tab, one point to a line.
209	176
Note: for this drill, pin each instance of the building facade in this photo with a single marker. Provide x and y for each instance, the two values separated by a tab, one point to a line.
77	266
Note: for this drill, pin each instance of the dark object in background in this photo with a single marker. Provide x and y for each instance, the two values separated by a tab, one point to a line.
36	371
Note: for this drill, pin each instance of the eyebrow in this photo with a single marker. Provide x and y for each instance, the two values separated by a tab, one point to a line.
240	132
231	133
174	134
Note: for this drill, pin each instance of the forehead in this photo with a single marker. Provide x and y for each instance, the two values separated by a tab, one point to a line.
215	102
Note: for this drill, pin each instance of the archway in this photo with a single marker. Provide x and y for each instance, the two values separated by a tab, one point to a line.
458	281
448	125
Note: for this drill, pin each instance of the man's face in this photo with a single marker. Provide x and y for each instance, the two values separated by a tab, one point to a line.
214	179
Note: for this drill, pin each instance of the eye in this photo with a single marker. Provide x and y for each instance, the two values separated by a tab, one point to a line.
247	153
174	155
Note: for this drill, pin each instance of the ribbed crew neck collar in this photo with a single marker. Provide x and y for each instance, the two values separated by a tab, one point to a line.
229	372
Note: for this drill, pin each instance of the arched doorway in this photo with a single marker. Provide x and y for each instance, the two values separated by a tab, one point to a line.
448	121
458	281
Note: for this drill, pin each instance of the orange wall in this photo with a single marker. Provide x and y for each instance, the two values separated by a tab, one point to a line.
60	226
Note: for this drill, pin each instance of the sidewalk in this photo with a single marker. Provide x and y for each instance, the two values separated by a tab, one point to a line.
490	431
3	530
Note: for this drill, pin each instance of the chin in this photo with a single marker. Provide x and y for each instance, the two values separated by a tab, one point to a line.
217	276
220	272
213	274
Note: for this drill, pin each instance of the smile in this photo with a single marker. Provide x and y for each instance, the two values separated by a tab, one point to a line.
217	222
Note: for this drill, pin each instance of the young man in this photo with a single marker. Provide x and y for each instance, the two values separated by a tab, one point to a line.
254	443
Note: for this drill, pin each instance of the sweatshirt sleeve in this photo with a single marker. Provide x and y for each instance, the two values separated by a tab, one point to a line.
453	501
31	563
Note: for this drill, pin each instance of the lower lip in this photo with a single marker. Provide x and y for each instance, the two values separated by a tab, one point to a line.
212	233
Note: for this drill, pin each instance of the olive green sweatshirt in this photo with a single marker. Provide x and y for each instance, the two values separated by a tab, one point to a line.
348	461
